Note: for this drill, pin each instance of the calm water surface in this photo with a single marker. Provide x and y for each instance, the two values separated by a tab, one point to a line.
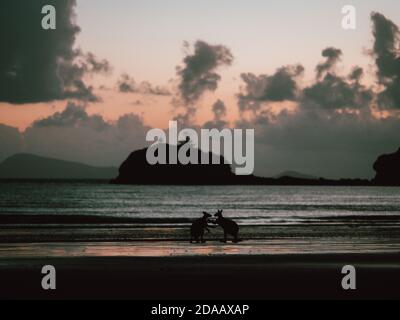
250	205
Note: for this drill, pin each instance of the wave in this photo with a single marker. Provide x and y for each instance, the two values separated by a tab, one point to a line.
23	219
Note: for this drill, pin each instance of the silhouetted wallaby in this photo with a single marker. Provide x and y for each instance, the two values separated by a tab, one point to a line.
230	227
198	227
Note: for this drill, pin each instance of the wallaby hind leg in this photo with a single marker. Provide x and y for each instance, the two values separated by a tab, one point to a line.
236	240
225	240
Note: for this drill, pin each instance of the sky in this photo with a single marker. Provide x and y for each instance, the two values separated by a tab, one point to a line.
131	65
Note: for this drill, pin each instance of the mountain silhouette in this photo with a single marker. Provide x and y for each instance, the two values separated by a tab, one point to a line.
387	169
294	174
29	166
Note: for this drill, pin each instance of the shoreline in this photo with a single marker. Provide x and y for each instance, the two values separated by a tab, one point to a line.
181	249
248	181
369	233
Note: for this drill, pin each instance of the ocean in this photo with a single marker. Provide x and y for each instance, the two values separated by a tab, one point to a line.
159	205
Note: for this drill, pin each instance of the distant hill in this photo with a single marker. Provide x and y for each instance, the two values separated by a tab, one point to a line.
29	166
294	174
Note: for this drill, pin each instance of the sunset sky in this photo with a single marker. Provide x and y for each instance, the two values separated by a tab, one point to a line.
336	136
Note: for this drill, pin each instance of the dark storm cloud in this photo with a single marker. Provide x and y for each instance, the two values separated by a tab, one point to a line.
386	51
198	73
127	84
332	56
281	86
39	65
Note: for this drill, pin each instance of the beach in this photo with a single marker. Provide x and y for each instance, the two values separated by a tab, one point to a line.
130	242
291	267
205	277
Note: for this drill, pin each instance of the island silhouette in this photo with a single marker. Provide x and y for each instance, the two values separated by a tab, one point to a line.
387	169
136	170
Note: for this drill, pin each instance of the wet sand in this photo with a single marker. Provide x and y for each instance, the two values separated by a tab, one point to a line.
160	249
177	270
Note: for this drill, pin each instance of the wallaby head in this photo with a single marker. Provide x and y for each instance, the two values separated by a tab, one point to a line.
206	215
219	214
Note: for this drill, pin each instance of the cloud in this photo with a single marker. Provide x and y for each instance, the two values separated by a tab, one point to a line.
386	52
332	56
332	130
334	92
72	116
127	84
39	65
75	135
329	92
220	111
331	145
198	75
356	74
93	65
258	90
10	141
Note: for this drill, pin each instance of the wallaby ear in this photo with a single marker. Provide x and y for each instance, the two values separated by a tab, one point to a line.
219	213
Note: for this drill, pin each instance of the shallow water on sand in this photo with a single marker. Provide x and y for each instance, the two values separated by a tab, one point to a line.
273	220
181	249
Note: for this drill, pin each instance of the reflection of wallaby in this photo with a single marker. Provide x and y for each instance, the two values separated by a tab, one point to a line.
198	227
230	227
